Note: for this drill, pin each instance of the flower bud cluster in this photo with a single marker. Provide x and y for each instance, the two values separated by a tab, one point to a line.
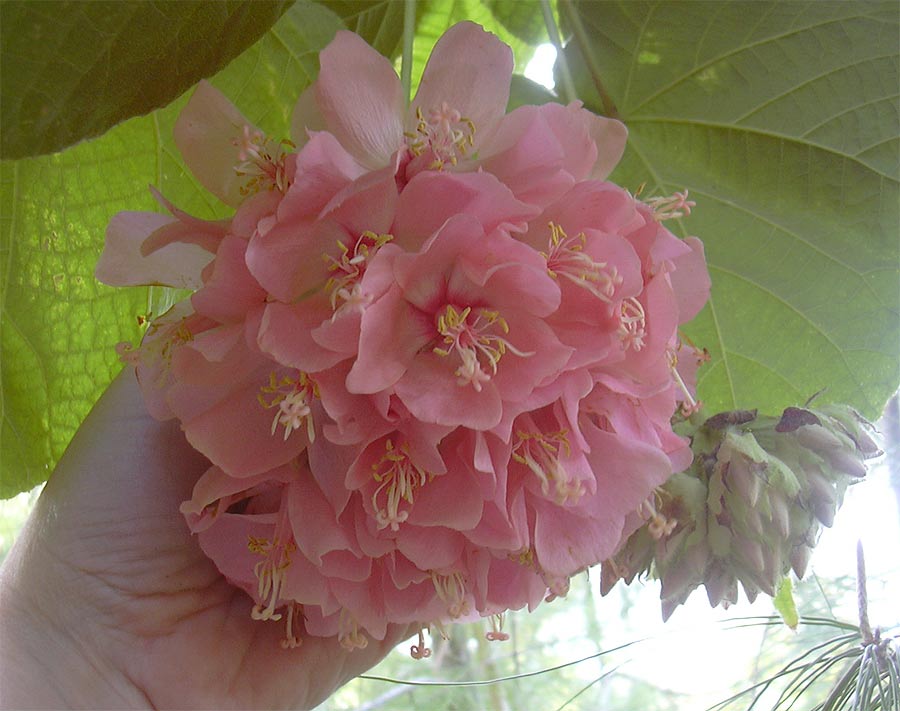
434	355
751	507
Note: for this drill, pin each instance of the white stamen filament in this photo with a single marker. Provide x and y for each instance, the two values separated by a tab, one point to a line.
420	650
270	572
671	207
451	589
445	133
346	272
471	340
632	324
689	406
566	258
291	640
292	399
349	634
262	161
658	526
540	453
496	633
399	478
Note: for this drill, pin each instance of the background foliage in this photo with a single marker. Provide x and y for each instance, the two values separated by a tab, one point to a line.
80	67
781	119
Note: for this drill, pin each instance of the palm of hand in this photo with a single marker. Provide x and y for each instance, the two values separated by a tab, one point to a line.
112	562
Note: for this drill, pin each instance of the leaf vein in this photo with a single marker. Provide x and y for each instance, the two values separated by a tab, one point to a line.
772	99
750	130
787	304
812	245
848	110
733	52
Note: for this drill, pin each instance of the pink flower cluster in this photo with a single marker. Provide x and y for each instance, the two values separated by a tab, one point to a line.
432	356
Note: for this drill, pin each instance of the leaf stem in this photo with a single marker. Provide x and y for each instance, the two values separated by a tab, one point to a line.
409	33
865	628
584	46
568	86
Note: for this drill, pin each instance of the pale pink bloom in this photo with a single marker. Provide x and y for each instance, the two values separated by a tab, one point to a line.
256	551
230	401
467	302
432	358
123	264
456	120
234	161
149	248
646	420
432	198
301	253
541	152
567	540
322	328
548	460
152	359
230	157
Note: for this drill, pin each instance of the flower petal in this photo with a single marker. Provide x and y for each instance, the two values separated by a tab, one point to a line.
430	390
123	264
230	291
469	70
208	133
286	334
361	100
431	198
324	168
690	280
610	136
392	333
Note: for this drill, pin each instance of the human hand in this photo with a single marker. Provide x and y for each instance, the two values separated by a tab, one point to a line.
107	601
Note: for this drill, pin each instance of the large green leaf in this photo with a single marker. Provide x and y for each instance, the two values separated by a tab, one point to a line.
73	69
378	22
523	91
781	119
59	326
523	19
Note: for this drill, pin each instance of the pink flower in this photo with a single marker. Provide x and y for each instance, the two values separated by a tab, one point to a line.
457	119
432	358
461	330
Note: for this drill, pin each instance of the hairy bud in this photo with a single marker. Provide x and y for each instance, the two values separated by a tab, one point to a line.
751	506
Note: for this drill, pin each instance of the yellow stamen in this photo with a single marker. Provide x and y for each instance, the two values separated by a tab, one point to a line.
445	134
270	573
399	478
566	258
541	452
451	589
292	396
262	161
632	324
348	269
474	343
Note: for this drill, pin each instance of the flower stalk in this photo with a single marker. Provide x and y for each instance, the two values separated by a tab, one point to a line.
409	33
568	86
